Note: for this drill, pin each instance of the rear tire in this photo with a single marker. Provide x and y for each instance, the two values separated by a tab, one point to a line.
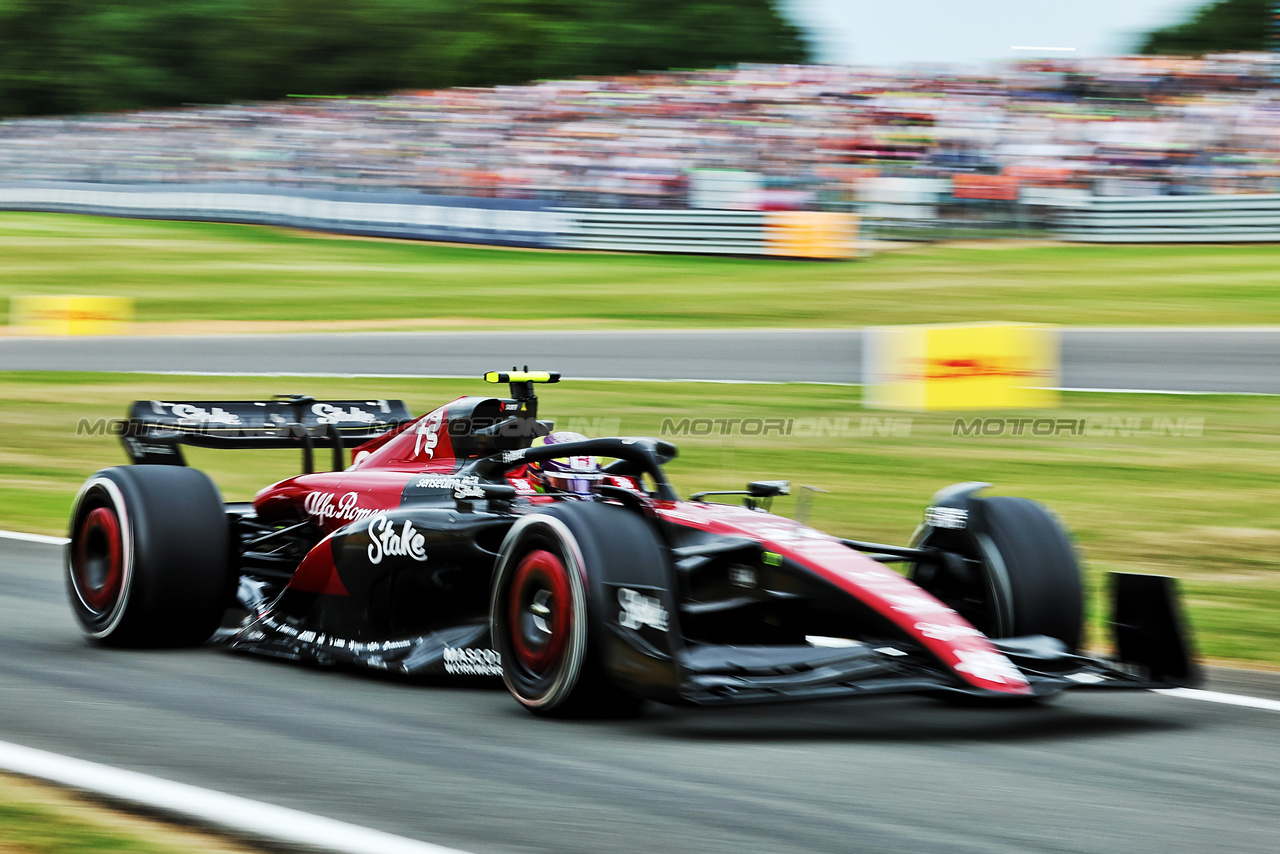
147	561
539	607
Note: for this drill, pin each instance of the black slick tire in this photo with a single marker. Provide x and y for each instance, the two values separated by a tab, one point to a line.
540	601
147	565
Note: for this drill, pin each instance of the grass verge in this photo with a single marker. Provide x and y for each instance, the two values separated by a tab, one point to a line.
220	277
1190	500
40	819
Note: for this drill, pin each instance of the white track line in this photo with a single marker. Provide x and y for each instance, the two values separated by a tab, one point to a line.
235	814
34	538
1218	697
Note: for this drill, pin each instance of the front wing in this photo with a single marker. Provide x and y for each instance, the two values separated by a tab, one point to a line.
716	675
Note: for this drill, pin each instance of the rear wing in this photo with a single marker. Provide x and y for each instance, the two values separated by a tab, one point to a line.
156	430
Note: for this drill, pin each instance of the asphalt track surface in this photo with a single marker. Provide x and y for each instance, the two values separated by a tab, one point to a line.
465	767
1166	359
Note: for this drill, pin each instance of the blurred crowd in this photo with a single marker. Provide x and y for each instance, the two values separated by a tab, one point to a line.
812	134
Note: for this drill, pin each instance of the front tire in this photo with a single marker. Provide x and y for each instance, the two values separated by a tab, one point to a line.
1046	593
1021	576
147	561
539	616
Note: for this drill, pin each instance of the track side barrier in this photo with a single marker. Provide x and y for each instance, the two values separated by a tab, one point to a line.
1162	219
495	222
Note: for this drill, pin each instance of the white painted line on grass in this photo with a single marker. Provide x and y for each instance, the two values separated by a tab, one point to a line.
1218	697
229	812
355	376
329	375
34	538
144	335
1169	391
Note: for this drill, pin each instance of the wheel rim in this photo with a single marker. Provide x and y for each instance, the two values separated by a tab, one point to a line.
540	564
541	611
98	560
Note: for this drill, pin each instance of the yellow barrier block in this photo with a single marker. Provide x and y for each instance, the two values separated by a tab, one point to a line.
811	234
70	315
961	366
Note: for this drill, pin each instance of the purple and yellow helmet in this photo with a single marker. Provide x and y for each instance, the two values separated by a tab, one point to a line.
573	475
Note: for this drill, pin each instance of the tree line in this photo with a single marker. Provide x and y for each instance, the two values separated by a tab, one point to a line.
1218	27
71	56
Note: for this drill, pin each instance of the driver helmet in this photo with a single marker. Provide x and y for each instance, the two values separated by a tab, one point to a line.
573	475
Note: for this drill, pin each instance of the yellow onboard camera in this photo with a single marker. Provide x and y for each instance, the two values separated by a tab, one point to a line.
525	376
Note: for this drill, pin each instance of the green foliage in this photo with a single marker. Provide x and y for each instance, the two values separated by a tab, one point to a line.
67	56
1226	25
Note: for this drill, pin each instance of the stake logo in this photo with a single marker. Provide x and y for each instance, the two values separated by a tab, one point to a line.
386	541
187	414
327	413
466	491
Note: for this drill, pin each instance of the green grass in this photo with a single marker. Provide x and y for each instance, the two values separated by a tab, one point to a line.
25	828
1196	506
40	819
209	273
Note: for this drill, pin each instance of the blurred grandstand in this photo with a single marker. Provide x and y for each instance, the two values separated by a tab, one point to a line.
804	137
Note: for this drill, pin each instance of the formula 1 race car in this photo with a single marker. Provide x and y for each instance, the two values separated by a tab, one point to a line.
475	541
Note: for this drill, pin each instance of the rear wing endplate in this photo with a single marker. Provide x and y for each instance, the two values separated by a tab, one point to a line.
156	430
